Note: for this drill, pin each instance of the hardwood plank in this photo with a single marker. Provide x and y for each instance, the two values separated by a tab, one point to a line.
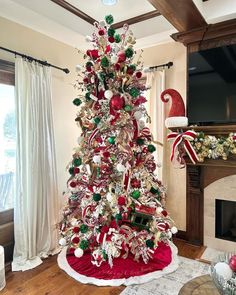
182	14
49	279
71	8
137	19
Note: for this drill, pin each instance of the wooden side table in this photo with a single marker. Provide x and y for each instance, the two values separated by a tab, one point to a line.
202	285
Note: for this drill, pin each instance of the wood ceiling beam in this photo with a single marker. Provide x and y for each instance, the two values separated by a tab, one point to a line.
71	8
137	19
182	14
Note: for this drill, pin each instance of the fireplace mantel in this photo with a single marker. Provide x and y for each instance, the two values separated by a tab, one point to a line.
200	176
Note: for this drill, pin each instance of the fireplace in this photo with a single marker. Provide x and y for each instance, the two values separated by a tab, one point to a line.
225	220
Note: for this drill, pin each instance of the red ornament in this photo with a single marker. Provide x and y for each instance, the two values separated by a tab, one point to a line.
111	39
106	154
136	183
76	229
117	102
117	67
121	201
93	53
138	75
232	263
75	240
76	170
105	229
164	213
89	69
121	56
108	49
86	80
73	184
130	71
101	32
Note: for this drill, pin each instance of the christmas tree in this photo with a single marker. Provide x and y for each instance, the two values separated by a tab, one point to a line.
115	201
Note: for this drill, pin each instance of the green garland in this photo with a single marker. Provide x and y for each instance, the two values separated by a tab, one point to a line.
212	147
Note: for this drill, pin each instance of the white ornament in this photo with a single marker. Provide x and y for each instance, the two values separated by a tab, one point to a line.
159	210
120	167
108	94
141	124
138	115
80	139
88	39
114	59
146	69
174	230
224	270
62	242
78	68
169	234
79	252
102	23
97	159
74	222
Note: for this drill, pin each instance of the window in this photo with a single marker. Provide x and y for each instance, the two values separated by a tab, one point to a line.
7	157
7	136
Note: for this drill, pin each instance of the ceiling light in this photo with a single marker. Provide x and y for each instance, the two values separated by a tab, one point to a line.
109	2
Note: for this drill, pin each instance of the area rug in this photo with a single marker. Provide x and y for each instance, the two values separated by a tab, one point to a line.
170	284
211	254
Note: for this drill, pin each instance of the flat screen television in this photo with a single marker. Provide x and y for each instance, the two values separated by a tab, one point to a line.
212	86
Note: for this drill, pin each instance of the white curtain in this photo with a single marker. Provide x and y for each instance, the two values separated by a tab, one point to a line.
36	199
155	108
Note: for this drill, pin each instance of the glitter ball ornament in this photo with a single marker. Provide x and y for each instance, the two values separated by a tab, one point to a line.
84	244
150	243
62	242
78	252
105	62
117	102
174	230
109	19
111	39
112	140
121	56
83	228
101	32
121	200
97	159
129	52
77	162
77	101
135	183
134	92
135	194
151	148
76	170
120	167
224	270
117	38
138	75
108	94
128	108
97	120
232	263
96	197
114	59
78	68
111	32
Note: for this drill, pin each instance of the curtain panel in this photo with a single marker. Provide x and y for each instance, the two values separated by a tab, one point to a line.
36	199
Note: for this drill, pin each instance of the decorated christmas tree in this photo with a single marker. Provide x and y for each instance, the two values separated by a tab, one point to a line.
114	204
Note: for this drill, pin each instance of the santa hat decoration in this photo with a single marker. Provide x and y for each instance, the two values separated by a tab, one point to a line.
176	117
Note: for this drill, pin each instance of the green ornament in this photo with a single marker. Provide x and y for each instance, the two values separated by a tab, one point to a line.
151	148
118	217
77	162
150	243
140	141
135	194
134	92
84	244
77	102
98	172
129	52
154	191
89	64
83	228
112	140
73	197
110	75
105	62
71	170
96	197
87	96
128	108
111	32
133	67
102	76
117	38
97	120
109	19
113	158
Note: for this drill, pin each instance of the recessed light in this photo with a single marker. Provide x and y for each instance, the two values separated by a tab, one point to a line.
109	2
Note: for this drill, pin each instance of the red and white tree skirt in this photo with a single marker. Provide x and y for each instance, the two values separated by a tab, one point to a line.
124	271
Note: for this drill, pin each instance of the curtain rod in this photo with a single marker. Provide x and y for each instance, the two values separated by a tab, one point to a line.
168	65
30	58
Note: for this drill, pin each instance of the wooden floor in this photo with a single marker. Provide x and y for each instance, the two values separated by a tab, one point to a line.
48	279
